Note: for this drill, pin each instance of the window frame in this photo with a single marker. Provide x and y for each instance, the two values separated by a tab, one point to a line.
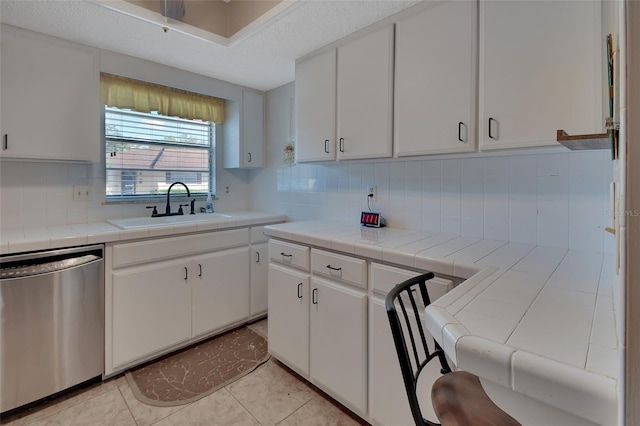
123	198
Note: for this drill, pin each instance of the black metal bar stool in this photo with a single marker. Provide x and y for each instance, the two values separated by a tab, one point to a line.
458	397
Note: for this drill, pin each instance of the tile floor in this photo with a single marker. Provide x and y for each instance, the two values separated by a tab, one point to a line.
270	395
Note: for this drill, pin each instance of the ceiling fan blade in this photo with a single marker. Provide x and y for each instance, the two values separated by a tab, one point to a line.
172	8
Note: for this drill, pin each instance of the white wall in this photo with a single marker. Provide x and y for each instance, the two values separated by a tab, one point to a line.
552	199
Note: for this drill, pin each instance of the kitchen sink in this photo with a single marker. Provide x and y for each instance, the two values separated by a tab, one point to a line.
148	222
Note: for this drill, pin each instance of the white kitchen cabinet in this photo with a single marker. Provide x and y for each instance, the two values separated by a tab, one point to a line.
259	279
435	80
316	107
50	98
244	132
151	309
365	96
162	294
338	342
344	100
220	289
540	71
388	404
289	317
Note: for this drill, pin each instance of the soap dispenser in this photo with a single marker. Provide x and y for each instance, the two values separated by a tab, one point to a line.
209	208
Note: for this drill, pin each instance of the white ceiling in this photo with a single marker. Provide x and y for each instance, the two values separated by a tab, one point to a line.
262	60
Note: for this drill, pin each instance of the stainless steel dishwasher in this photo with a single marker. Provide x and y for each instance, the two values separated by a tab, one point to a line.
52	322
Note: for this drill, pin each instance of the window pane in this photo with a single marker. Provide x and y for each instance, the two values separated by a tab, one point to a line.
145	153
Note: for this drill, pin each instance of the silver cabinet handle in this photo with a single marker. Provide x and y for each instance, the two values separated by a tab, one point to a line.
314	296
326	146
300	291
341	144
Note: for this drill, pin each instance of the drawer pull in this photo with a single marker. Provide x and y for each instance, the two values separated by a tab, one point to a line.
300	291
334	269
286	255
314	296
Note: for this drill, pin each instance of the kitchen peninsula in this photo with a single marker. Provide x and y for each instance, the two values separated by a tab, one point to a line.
535	323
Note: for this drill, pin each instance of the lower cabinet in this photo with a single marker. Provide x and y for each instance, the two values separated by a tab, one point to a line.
338	342
220	290
259	281
165	293
388	403
289	317
152	309
163	304
328	322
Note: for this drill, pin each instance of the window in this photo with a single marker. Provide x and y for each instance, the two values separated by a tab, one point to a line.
147	152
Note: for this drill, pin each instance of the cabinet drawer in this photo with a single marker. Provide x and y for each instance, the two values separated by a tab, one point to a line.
170	248
289	254
340	267
384	278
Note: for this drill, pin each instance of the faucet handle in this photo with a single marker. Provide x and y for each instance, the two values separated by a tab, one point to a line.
155	210
180	209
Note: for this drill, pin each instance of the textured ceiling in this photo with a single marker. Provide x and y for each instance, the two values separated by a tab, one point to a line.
263	60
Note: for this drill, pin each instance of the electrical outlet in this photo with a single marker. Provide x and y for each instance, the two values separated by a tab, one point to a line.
81	193
226	190
372	190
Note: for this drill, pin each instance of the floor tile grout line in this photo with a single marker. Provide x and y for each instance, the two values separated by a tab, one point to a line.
241	404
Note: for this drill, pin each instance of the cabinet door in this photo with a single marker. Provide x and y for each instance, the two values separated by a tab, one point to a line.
252	130
289	317
259	278
435	78
540	71
338	329
151	309
316	107
50	98
365	96
388	403
220	292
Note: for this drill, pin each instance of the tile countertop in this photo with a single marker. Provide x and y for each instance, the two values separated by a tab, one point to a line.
42	238
538	320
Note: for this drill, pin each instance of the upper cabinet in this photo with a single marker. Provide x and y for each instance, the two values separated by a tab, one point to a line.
316	107
344	100
365	96
244	132
435	80
50	98
540	71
